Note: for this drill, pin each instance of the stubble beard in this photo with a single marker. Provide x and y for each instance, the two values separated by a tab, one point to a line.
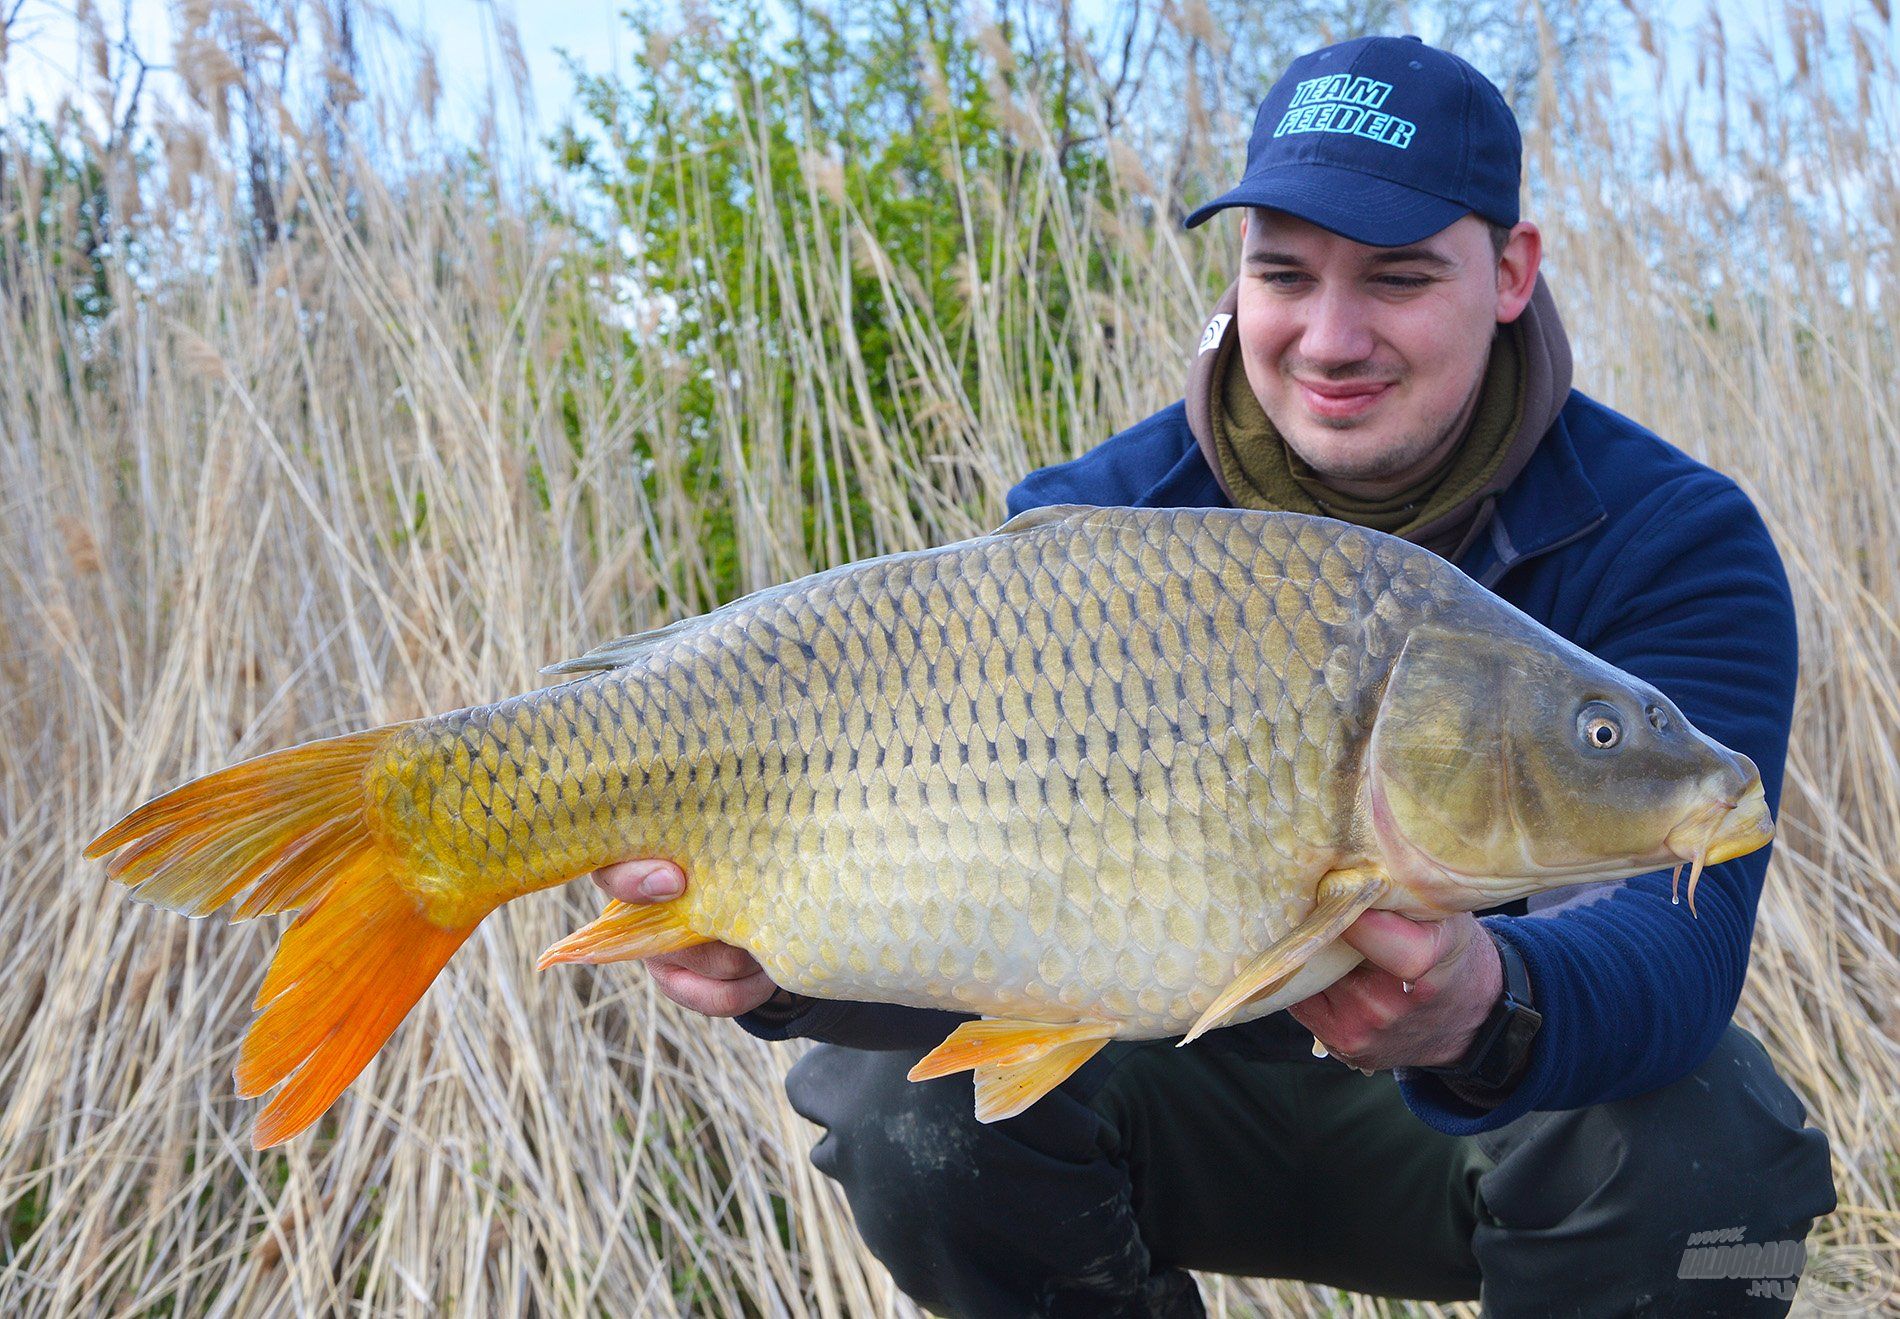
1435	437
1387	460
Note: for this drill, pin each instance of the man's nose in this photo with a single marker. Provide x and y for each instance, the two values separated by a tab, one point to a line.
1337	331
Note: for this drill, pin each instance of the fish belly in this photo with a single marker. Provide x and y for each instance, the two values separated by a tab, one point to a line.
1015	945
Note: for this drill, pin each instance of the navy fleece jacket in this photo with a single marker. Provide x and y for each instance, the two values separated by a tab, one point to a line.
1659	565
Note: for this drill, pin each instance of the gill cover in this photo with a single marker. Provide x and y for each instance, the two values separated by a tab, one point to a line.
1513	760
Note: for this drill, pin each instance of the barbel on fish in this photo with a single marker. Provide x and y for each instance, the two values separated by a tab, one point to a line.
1101	773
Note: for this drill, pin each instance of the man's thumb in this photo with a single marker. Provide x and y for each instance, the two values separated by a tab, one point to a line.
642	881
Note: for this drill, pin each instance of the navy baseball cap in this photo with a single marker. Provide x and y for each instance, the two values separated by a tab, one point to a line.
1384	140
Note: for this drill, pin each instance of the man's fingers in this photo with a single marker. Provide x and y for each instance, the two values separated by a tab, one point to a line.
715	961
1405	948
641	881
1374	997
709	997
713	979
1317	1014
1352	1012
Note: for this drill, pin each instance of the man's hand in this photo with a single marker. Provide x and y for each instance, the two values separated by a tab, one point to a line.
713	978
1369	1020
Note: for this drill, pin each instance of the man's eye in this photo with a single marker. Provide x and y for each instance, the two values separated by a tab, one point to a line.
1405	281
1282	278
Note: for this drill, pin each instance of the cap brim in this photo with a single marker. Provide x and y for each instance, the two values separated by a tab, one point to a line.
1362	207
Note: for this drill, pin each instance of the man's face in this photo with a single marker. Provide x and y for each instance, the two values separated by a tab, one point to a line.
1368	360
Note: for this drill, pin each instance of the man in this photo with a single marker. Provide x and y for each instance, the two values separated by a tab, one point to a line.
1540	1107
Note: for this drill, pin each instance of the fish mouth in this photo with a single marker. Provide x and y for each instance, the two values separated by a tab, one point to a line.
1720	832
1725	829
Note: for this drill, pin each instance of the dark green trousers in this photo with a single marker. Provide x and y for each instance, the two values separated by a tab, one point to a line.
1152	1160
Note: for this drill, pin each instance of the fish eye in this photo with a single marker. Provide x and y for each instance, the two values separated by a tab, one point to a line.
1658	718
1599	726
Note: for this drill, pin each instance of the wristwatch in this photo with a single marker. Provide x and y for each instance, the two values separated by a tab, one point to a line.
1503	1042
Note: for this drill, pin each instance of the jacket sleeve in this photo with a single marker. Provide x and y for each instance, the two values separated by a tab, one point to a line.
1634	991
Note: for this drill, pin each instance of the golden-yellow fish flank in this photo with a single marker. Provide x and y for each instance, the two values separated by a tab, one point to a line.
1087	765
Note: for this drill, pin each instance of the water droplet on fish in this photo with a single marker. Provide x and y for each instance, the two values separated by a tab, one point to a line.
1319	1050
1406	985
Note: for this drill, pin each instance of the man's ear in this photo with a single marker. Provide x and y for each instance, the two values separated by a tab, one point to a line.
1517	270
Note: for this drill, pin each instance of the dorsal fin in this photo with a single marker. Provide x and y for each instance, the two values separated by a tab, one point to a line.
1031	518
622	651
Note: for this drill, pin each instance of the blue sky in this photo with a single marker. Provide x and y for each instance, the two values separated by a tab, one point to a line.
46	56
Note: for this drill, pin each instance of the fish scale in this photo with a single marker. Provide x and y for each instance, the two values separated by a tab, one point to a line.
1089	766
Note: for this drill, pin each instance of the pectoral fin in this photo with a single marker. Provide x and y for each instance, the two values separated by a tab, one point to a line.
1342	895
624	931
1016	1062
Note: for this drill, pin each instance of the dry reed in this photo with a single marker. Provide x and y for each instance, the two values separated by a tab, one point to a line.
276	496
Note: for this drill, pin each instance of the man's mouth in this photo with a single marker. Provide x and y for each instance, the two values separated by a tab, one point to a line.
1338	400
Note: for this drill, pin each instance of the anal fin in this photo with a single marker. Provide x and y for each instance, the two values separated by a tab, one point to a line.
1342	895
624	931
1016	1062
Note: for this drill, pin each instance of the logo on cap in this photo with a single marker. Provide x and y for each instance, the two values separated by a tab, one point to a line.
1342	103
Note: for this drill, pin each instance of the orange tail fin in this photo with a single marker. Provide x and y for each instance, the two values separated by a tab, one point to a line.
288	831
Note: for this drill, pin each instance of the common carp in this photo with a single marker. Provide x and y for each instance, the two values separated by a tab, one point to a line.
1102	773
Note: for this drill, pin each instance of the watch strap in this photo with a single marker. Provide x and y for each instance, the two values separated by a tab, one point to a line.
1502	1044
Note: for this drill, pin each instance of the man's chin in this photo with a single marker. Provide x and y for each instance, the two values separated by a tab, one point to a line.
1339	423
1370	454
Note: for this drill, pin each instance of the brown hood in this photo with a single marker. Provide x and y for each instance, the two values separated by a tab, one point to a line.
1543	354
